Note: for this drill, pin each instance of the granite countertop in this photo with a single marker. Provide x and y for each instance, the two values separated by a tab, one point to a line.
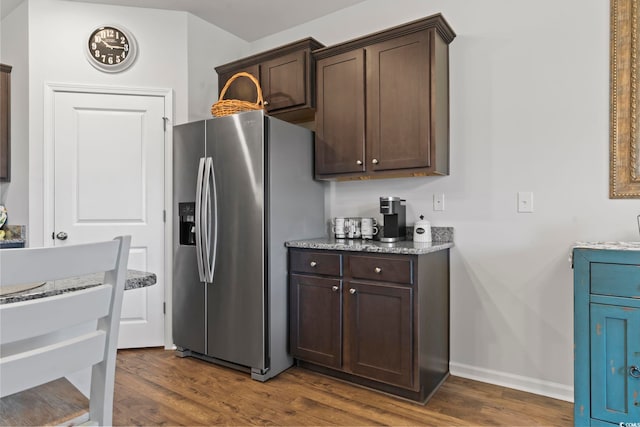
442	239
135	279
616	246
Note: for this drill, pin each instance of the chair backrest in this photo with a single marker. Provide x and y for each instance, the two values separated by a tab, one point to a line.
48	338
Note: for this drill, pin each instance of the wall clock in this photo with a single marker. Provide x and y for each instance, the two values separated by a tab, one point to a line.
111	48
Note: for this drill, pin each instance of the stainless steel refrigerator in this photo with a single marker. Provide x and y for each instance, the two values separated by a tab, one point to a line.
242	186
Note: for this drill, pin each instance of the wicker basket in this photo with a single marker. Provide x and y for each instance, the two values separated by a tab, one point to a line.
225	107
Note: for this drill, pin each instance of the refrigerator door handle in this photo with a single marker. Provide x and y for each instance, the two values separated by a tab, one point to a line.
213	199
206	220
199	230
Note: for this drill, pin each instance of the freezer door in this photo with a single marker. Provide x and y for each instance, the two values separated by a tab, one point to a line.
236	297
188	291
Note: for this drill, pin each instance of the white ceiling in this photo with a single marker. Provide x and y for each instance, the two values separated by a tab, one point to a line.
247	19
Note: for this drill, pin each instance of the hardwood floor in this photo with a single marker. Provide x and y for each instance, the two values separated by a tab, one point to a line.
154	387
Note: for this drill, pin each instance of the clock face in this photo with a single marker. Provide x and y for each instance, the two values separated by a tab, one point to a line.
111	49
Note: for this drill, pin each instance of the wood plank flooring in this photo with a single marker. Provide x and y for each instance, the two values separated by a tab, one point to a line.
154	387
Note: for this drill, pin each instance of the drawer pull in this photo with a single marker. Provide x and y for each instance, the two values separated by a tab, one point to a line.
378	270
334	288
352	291
634	372
313	263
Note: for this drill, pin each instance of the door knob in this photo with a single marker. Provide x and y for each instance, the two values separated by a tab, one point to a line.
634	372
62	236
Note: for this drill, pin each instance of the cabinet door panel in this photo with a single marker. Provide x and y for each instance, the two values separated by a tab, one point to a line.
340	114
242	88
615	348
380	332
283	81
316	319
398	103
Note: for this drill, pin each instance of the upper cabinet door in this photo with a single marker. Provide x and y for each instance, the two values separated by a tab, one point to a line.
284	82
340	114
398	103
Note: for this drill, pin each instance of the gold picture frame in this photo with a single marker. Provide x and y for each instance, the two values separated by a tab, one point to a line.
624	171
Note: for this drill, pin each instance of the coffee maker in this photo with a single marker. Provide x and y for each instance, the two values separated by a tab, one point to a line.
394	214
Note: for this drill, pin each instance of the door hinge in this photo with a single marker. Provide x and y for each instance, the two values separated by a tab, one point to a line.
164	308
164	215
164	123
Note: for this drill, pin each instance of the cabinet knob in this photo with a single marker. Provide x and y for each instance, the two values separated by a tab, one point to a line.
634	372
375	161
334	288
313	263
377	270
358	162
265	102
352	291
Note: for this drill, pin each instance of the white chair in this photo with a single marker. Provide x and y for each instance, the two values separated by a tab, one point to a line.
48	338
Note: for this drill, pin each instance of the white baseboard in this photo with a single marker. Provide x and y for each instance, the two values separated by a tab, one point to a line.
530	385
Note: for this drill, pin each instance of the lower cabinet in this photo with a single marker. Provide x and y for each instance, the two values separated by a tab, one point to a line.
607	337
615	363
375	319
316	319
379	331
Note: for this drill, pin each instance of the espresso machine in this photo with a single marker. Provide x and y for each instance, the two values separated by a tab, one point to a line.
394	213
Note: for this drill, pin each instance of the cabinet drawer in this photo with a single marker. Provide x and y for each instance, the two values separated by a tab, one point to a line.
318	262
397	270
615	279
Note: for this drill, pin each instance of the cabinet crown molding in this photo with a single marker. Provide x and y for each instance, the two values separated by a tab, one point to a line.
436	22
308	43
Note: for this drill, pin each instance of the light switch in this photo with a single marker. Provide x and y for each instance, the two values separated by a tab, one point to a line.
438	202
525	201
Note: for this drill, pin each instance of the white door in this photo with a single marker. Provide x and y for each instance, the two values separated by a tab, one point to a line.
109	181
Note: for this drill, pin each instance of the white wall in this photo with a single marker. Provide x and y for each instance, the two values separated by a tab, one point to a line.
14	32
209	46
164	44
529	112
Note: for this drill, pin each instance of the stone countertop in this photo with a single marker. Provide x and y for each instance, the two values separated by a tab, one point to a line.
616	246
442	239
135	279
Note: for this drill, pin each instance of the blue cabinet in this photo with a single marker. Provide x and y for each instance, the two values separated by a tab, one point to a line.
607	337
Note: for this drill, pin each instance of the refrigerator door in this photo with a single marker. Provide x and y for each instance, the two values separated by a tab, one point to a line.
236	298
188	291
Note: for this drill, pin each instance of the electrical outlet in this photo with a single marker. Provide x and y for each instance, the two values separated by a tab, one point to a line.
438	202
525	201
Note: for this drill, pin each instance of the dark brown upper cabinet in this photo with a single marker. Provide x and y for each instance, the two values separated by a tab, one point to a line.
5	122
383	103
286	76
